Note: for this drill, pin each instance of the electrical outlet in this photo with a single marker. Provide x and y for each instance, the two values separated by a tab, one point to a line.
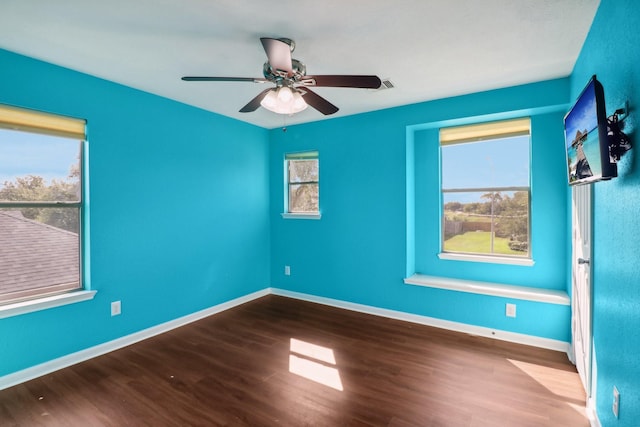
116	308
511	310
616	402
287	270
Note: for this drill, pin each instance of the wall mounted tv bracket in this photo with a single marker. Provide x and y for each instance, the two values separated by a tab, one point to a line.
619	142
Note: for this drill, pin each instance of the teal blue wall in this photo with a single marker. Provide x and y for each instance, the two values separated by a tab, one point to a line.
612	52
178	210
185	211
379	190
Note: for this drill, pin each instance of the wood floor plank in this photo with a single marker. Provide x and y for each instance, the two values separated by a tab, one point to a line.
282	362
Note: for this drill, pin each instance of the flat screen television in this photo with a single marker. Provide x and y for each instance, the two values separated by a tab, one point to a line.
586	142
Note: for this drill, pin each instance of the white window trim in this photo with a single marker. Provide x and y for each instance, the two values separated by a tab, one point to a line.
495	259
303	155
44	303
480	132
26	120
291	215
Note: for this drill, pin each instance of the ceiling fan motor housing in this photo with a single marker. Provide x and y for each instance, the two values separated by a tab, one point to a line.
281	77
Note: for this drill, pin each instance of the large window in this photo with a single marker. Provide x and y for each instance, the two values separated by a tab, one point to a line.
40	204
485	189
302	183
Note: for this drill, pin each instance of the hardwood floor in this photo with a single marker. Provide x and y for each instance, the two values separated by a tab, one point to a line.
250	366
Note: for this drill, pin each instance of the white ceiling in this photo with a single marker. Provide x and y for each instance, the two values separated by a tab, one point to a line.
429	49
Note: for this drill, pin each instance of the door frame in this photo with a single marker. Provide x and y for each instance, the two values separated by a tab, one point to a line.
582	296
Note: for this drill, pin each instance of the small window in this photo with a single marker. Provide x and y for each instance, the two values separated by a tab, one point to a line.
485	189
302	183
40	204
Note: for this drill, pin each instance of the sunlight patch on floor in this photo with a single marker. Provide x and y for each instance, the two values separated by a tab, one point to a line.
313	351
558	381
314	362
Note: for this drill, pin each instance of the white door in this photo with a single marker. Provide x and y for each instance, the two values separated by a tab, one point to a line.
581	282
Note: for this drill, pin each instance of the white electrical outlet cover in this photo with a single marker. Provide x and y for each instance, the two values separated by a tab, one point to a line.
116	308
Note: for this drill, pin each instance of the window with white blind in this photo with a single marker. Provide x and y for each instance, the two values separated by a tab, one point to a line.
485	189
41	187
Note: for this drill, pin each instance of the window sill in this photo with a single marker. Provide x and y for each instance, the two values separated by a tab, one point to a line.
301	216
550	296
528	262
44	303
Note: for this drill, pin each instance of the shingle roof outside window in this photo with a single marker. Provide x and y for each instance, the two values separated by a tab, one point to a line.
35	255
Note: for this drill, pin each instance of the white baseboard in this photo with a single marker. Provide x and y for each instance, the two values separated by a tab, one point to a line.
89	353
592	414
432	321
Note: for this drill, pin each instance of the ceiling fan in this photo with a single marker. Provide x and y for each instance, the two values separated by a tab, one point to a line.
292	92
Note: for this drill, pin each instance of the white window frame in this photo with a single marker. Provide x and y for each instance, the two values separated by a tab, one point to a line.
24	120
478	133
304	155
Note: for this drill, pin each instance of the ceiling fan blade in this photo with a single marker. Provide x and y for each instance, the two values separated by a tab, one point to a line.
318	102
279	54
255	102
364	82
224	79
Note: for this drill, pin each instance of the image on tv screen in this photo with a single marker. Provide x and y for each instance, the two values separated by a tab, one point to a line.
582	140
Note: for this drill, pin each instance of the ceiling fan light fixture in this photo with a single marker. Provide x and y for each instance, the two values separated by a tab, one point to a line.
298	103
283	100
285	95
270	101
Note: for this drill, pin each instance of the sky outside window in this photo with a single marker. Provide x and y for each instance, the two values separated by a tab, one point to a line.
23	153
493	163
